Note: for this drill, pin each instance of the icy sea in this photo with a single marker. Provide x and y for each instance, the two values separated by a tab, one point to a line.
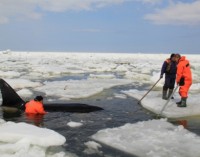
114	82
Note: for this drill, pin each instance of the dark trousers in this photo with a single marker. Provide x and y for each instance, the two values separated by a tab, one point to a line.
169	82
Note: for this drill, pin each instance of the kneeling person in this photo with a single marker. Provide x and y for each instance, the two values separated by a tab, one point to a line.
35	106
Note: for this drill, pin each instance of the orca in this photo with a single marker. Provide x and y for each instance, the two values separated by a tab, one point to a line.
10	99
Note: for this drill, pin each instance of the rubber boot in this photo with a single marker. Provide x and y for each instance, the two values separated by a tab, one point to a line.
164	94
183	102
170	93
178	103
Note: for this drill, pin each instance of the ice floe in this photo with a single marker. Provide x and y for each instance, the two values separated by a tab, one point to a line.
153	138
21	139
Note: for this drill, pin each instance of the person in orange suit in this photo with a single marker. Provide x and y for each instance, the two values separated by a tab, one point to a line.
183	78
35	106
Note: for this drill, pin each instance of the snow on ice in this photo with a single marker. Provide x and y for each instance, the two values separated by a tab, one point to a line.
32	72
154	103
92	148
153	138
74	124
21	139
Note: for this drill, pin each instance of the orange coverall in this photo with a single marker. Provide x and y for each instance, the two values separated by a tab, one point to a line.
34	107
183	71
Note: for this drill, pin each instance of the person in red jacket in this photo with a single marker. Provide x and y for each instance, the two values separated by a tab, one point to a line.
183	78
35	106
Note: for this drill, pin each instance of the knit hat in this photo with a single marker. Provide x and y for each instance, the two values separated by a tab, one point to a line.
172	55
38	98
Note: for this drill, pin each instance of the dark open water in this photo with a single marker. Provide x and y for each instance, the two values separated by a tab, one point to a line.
117	112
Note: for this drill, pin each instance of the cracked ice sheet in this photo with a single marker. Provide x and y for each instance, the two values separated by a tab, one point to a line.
136	67
65	90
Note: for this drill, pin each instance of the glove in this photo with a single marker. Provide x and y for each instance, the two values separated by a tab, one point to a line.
182	81
161	76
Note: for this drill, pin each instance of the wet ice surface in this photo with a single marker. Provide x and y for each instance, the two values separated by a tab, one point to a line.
154	103
151	138
102	80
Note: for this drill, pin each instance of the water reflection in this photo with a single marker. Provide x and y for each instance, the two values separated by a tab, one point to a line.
10	113
36	119
13	114
184	123
190	123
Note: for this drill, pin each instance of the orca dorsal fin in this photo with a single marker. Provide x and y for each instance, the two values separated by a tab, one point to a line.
9	96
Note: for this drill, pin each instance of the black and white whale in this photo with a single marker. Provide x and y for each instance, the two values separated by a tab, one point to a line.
10	99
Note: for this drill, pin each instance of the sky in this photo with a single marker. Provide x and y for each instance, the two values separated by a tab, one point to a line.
125	26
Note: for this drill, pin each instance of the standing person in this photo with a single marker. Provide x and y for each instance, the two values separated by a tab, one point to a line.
183	78
35	106
169	69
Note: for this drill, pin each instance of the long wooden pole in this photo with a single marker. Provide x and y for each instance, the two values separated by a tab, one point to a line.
167	101
149	91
